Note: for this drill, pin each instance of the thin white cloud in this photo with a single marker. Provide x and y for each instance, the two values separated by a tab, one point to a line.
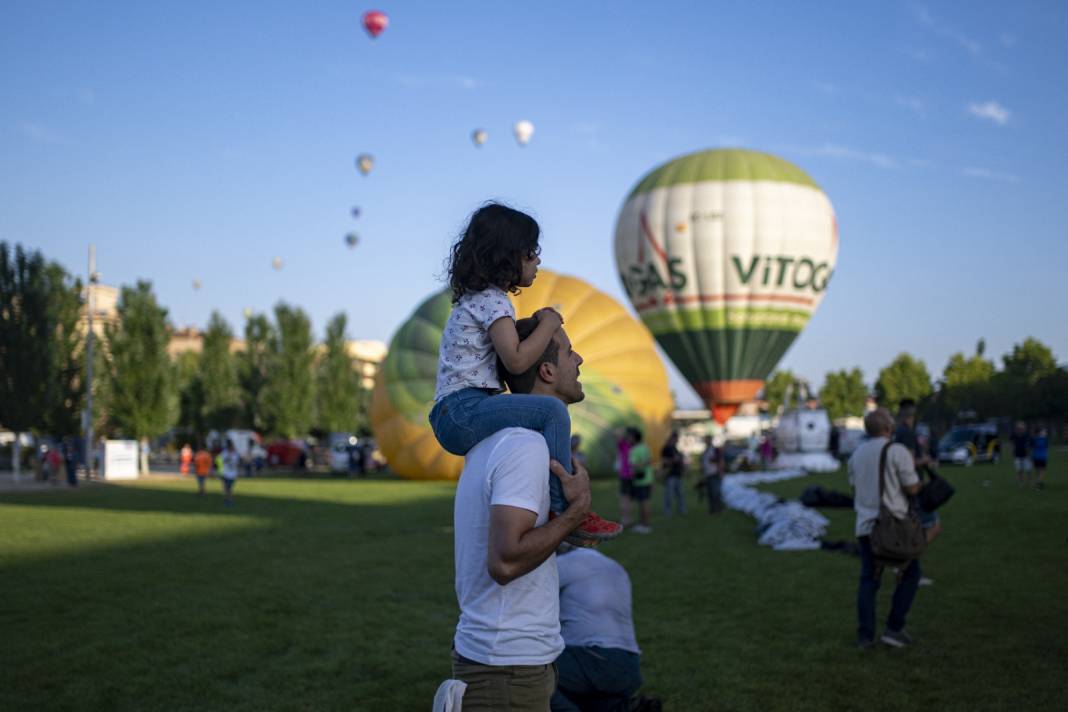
924	16
467	82
454	81
39	133
833	150
911	103
83	95
919	54
963	40
991	111
987	174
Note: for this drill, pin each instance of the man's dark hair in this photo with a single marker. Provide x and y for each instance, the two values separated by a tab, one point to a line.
524	382
906	408
636	434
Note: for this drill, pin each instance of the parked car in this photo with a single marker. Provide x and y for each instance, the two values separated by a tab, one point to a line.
287	453
969	444
248	443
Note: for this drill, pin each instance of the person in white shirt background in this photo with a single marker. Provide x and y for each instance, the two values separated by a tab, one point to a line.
231	459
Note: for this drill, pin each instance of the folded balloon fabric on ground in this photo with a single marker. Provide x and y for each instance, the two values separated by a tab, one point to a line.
784	526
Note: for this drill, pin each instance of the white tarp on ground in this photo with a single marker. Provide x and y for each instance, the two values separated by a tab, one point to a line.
811	461
784	526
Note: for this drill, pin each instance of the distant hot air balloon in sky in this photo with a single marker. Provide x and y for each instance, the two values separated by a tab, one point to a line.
277	263
365	162
478	136
725	255
623	378
196	284
247	311
523	131
352	239
375	22
355	211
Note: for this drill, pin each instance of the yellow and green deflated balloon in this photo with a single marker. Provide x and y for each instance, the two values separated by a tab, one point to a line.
622	375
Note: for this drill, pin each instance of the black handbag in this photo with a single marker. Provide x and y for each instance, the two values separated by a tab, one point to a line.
936	492
894	540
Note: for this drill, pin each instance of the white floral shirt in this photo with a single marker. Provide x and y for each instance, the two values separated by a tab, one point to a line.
467	358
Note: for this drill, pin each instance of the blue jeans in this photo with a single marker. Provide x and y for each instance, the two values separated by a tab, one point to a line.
673	489
900	604
466	417
594	678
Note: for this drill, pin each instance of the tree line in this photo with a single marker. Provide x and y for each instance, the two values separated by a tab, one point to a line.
281	383
1028	386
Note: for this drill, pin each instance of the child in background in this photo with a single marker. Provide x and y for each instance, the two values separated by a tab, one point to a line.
202	467
498	253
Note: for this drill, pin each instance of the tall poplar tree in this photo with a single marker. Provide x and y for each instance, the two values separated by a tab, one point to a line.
66	386
27	348
190	395
253	365
905	377
290	388
844	393
775	389
141	388
338	382
218	376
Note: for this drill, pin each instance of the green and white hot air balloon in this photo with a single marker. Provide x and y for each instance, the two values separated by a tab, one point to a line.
725	255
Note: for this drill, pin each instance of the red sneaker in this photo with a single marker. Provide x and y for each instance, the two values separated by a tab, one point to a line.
596	528
576	540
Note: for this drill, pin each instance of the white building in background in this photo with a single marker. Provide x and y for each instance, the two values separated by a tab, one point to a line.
368	355
105	304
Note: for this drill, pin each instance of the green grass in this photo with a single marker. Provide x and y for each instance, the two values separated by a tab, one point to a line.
326	594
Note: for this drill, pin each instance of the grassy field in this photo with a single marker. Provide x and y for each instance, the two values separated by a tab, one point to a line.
337	595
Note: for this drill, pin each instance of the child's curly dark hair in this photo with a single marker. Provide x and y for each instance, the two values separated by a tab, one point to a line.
491	250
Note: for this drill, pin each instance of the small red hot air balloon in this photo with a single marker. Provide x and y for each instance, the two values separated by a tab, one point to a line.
375	22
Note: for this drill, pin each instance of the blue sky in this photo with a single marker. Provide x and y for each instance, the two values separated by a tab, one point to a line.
197	140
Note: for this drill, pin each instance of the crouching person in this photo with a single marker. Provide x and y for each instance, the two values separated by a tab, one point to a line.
600	668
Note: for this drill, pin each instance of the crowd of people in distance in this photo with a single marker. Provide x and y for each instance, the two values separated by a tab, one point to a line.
60	460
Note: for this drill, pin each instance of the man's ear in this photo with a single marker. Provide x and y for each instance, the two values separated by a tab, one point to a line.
547	371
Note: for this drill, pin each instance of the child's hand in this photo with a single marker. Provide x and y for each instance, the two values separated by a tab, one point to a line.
551	315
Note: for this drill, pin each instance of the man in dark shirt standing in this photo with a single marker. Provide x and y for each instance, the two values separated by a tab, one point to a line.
671	461
1021	454
906	435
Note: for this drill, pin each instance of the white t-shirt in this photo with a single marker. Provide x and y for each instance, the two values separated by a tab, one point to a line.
230	462
595	601
467	358
519	623
864	476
